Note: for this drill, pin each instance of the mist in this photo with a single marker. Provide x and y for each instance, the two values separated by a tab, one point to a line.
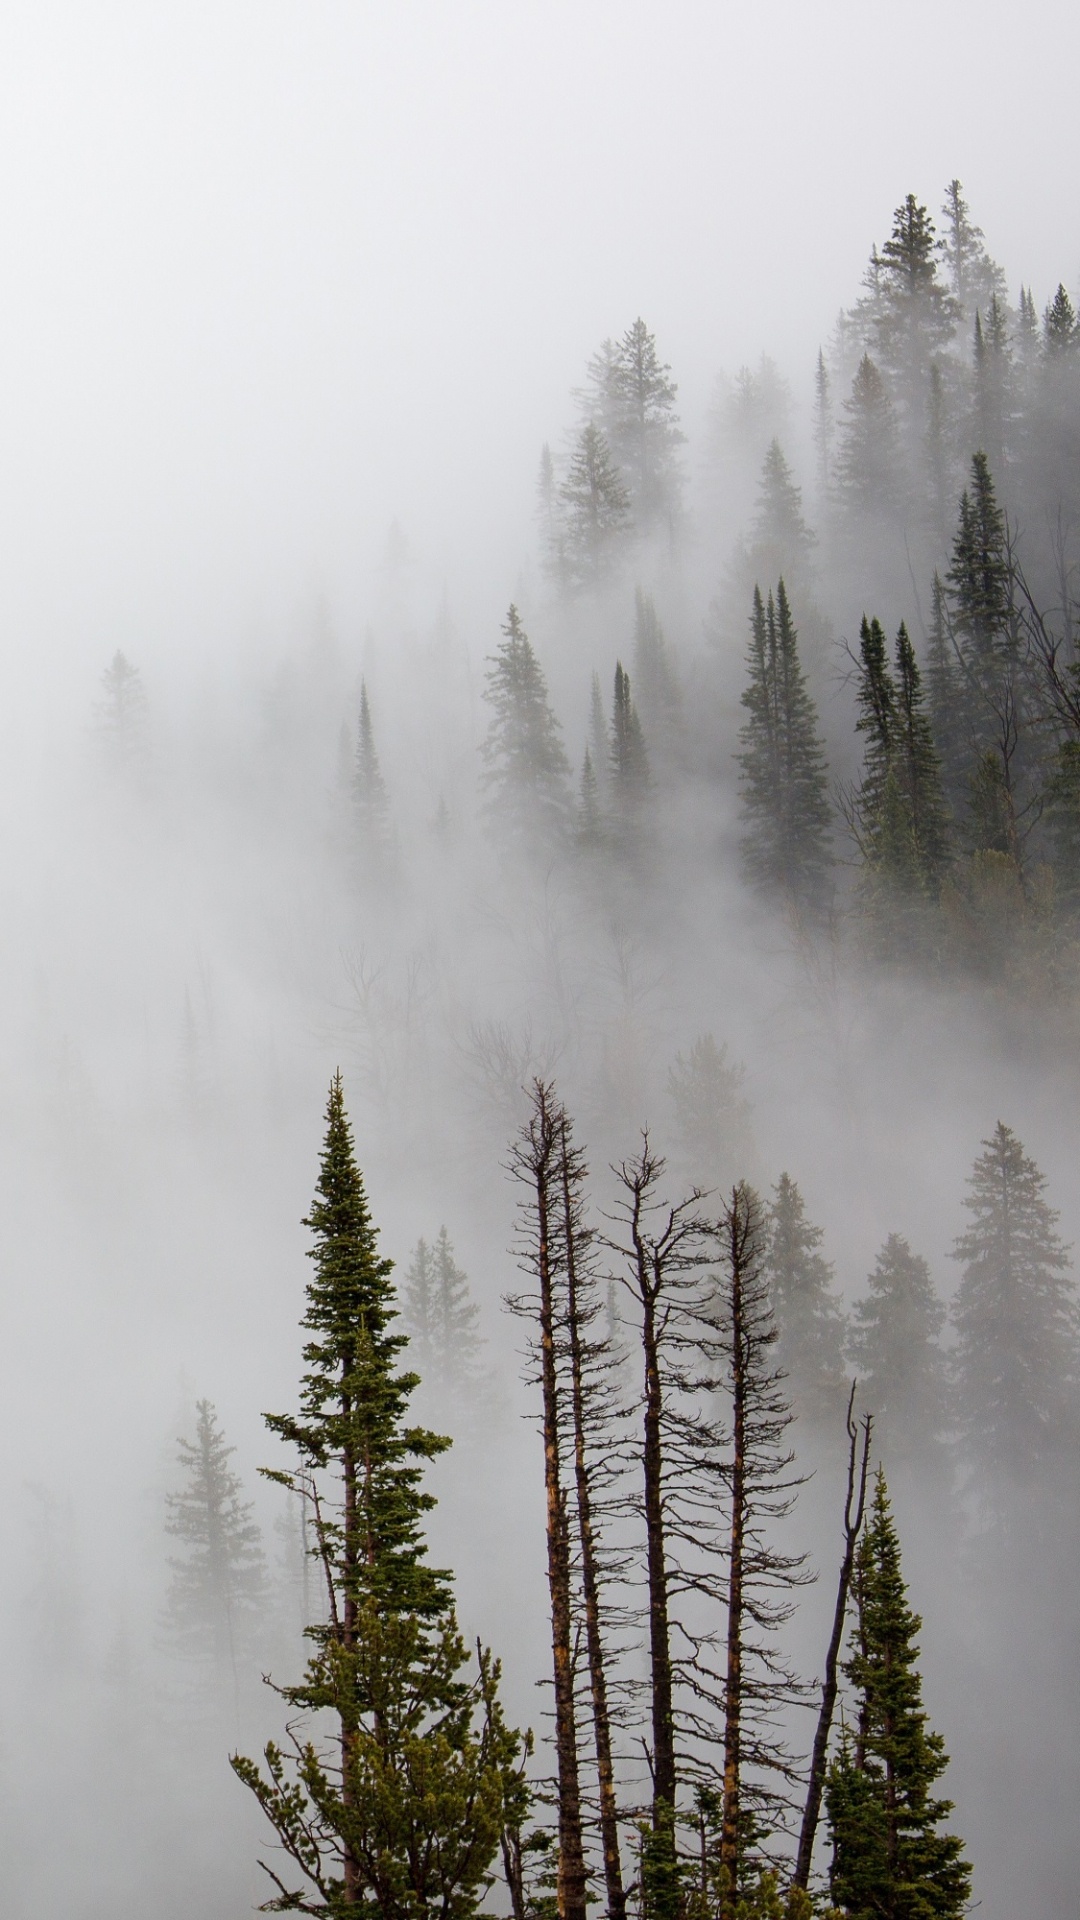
295	299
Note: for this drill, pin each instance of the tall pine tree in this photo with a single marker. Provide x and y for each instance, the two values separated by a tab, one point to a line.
526	772
785	803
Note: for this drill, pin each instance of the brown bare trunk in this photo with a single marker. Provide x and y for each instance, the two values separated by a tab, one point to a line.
609	1824
571	1871
854	1509
663	1723
729	1831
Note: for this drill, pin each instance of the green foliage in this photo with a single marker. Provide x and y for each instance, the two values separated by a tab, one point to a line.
596	513
809	1315
218	1585
785	803
403	1814
442	1318
526	772
631	400
894	1346
889	1859
867	471
898	813
1017	1359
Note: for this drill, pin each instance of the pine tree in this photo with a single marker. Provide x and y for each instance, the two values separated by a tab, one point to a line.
785	804
868	477
824	427
526	770
596	509
946	699
974	279
549	520
890	1861
370	802
218	1587
1017	1359
655	676
809	1315
916	316
894	1346
781	543
1061	331
403	1814
981	598
898	813
628	763
120	716
590	818
632	401
712	1115
442	1319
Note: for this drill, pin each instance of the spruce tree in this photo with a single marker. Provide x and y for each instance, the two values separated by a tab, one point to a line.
898	813
975	280
1061	330
370	802
655	676
218	1584
401	1813
894	1347
628	763
596	509
868	477
947	703
631	399
915	321
442	1318
526	772
809	1314
1017	1359
781	543
785	803
890	1859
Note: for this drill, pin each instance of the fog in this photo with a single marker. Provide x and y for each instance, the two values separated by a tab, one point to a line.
294	298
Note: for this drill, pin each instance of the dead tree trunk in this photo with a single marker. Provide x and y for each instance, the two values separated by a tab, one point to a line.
854	1510
535	1162
572	1172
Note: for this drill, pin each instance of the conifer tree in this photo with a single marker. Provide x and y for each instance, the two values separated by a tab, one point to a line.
898	813
596	509
442	1318
1017	1358
590	820
781	543
809	1315
655	676
916	317
629	762
120	715
894	1346
947	704
975	281
890	1858
824	426
549	519
369	795
785	805
218	1585
632	400
1061	332
526	772
403	1813
868	477
712	1115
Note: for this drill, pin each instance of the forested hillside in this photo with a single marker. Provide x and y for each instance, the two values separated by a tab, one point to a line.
696	954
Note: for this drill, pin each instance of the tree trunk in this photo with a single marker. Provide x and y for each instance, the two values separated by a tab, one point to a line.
571	1871
729	1831
854	1509
609	1825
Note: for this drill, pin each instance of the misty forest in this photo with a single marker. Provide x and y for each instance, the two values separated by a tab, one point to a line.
577	1119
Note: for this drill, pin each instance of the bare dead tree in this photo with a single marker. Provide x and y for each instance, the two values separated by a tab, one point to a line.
854	1511
536	1161
594	1413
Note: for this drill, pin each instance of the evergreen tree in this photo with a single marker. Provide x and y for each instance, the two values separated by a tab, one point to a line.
1061	331
785	804
368	786
1017	1358
442	1318
218	1585
894	1346
526	770
631	399
809	1315
898	813
993	404
916	317
403	1815
120	715
549	519
890	1859
946	700
781	543
975	281
712	1116
824	426
654	674
868	479
590	820
596	509
629	761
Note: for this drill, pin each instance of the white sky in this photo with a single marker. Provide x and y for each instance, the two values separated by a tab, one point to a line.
274	273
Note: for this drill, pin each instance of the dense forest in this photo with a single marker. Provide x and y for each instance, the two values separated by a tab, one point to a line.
700	950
